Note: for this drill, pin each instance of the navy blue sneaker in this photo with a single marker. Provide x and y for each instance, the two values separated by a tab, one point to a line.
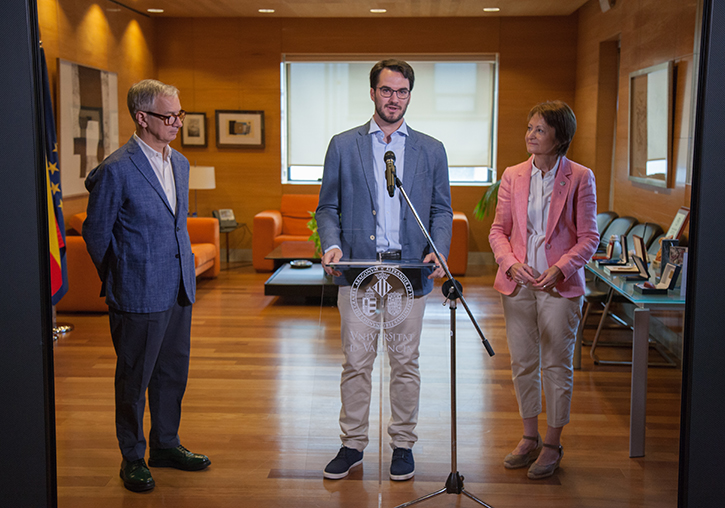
340	466
402	467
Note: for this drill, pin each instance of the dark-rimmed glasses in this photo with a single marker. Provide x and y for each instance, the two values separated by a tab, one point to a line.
402	93
171	119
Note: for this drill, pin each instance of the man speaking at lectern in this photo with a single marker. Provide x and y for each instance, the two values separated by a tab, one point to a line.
357	219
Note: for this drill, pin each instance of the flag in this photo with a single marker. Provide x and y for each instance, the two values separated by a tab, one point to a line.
56	224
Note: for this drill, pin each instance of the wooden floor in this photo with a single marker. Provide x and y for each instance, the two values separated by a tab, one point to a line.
263	402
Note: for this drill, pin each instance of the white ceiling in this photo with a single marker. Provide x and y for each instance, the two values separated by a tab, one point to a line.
354	8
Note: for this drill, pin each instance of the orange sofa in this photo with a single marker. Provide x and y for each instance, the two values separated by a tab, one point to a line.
289	223
84	286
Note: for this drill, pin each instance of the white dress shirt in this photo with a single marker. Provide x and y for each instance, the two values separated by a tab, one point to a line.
388	213
161	164
540	189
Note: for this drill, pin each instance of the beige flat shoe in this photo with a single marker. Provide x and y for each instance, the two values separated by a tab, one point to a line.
518	461
537	471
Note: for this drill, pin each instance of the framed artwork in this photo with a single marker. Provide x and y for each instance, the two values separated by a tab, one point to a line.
87	122
193	133
239	129
679	223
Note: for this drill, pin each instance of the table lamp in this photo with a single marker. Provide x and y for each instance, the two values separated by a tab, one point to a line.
201	177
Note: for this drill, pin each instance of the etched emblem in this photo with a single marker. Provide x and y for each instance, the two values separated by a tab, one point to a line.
381	296
394	303
369	303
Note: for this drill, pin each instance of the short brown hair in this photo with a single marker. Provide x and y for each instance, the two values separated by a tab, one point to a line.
394	65
559	116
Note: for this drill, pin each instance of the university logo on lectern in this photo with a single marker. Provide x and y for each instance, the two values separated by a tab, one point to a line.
381	294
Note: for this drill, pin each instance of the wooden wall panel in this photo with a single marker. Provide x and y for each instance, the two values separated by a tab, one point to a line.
235	64
650	32
102	35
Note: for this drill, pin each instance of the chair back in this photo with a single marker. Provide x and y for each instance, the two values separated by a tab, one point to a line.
604	219
654	247
646	230
619	226
295	209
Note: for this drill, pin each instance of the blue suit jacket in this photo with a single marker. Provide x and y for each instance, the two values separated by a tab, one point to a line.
141	249
347	207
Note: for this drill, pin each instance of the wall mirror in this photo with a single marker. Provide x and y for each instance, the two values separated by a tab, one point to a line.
650	125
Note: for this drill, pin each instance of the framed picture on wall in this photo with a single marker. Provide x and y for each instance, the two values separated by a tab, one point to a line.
193	133
88	123
239	129
679	223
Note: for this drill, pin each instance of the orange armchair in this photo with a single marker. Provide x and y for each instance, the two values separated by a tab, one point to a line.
458	256
204	236
84	286
272	227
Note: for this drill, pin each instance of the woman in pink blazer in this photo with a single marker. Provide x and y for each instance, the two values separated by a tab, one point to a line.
544	232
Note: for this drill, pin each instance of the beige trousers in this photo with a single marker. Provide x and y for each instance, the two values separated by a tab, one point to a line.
359	344
541	331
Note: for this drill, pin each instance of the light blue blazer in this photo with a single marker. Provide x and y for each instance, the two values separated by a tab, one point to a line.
141	249
347	206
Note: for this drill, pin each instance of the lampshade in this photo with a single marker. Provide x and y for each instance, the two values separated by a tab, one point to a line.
201	177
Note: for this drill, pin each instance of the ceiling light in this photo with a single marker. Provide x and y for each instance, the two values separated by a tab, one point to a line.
155	11
266	11
491	9
378	11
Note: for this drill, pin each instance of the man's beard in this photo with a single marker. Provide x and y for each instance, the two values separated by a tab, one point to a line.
385	116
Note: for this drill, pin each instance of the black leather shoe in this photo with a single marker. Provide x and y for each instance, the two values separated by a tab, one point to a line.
136	476
179	458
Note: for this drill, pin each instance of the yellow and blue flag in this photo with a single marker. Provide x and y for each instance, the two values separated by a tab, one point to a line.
56	224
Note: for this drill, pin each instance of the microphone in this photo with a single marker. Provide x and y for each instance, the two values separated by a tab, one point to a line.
389	159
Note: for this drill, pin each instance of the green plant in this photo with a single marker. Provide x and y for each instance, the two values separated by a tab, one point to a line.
314	237
488	202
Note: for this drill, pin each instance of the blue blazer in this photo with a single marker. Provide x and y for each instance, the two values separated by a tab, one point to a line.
348	199
141	249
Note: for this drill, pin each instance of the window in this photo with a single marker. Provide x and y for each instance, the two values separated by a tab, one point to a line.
453	100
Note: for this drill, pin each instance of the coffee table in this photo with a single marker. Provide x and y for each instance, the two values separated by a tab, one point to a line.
309	282
289	251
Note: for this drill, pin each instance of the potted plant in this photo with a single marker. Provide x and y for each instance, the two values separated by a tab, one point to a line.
314	237
488	202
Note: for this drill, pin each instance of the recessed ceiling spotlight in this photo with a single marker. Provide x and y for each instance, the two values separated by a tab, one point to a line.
266	11
378	11
155	11
491	9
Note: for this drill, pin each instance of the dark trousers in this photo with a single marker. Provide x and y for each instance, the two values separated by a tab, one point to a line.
152	353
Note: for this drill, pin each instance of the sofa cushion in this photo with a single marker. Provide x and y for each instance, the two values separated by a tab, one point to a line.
295	209
203	253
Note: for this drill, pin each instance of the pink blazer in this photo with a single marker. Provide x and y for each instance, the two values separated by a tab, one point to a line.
571	228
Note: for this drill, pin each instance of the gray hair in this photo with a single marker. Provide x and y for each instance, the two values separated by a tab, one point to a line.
142	95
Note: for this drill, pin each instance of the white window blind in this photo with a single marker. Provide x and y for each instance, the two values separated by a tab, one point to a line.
452	100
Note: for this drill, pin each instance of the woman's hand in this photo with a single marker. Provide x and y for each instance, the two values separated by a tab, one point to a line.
521	274
549	279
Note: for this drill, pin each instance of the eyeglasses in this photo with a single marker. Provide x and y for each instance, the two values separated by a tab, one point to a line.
170	119
402	93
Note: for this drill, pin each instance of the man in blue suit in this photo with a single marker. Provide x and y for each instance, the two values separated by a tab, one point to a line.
357	219
136	235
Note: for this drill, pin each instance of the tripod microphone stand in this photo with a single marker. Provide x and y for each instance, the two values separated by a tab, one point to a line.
453	291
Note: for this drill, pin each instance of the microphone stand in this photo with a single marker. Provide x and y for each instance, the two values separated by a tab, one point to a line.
452	290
